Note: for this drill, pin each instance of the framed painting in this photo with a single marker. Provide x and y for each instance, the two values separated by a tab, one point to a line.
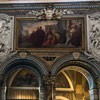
67	34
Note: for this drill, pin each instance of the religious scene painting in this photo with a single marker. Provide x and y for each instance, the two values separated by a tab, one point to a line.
25	78
64	33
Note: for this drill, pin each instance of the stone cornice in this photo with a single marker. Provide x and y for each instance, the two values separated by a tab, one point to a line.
59	5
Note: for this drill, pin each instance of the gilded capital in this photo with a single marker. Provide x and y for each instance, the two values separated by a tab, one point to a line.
49	79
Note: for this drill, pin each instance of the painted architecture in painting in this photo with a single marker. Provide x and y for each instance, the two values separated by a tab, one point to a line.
50	50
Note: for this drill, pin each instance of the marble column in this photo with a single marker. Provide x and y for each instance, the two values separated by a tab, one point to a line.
93	94
42	93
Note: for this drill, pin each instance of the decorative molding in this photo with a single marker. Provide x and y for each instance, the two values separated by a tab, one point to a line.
44	1
14	58
71	88
84	72
50	13
57	5
23	54
91	57
6	35
76	55
93	22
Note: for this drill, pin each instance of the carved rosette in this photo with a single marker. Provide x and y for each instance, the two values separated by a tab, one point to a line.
93	33
6	35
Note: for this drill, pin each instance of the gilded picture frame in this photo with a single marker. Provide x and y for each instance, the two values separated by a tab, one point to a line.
66	34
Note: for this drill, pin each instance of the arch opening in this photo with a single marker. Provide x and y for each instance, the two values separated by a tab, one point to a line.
30	76
75	88
22	84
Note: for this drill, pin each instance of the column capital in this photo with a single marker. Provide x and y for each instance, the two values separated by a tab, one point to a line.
49	79
98	82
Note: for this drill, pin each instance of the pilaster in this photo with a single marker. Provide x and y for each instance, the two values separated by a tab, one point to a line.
93	94
42	93
50	88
